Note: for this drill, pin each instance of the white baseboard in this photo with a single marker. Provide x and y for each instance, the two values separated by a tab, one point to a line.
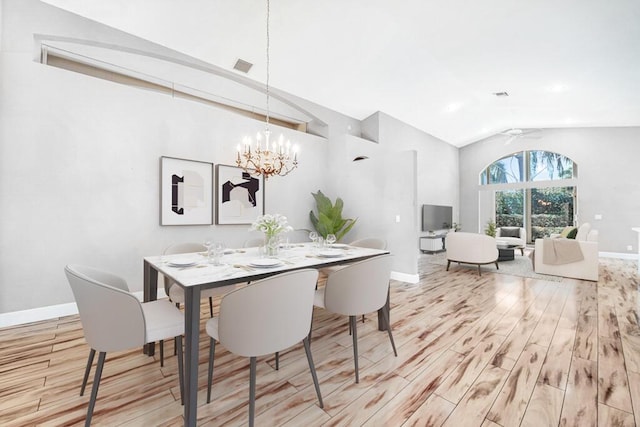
620	255
37	314
405	277
50	312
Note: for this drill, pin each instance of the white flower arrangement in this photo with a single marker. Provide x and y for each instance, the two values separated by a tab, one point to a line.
271	225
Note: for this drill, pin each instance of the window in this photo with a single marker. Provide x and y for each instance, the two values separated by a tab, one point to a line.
138	70
535	190
546	165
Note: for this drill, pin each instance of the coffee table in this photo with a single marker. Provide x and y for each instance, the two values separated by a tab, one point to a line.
506	252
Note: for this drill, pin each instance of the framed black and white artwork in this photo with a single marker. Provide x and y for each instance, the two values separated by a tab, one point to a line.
239	196
186	192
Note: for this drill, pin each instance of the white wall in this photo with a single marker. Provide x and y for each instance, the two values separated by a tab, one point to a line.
437	179
412	168
607	180
79	166
375	191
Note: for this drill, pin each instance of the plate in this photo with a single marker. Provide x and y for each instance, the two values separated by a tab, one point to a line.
265	262
330	253
181	262
339	246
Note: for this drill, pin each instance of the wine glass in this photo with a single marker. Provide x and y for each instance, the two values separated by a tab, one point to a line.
313	236
331	239
218	251
207	244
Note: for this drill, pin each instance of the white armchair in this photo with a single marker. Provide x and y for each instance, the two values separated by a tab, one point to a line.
471	248
512	236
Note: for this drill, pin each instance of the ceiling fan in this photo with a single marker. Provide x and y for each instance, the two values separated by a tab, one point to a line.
517	133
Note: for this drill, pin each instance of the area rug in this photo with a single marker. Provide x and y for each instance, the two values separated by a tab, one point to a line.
520	266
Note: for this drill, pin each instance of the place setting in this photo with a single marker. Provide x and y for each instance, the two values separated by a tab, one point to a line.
265	263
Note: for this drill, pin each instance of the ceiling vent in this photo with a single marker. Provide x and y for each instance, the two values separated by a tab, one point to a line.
243	66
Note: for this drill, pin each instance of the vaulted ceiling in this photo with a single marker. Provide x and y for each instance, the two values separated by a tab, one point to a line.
433	64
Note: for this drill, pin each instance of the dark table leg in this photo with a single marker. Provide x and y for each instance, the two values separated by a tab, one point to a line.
150	290
192	337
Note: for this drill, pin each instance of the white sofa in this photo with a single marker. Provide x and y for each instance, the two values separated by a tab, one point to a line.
506	235
471	248
585	269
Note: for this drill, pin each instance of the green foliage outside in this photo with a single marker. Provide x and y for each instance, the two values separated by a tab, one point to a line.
551	210
329	219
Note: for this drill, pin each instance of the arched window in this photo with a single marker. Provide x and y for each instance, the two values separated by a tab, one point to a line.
525	166
532	189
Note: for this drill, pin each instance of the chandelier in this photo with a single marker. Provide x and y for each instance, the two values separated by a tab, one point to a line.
265	156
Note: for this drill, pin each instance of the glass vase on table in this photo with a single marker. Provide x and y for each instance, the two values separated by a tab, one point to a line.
271	245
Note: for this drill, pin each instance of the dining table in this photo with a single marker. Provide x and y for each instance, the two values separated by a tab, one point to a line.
195	272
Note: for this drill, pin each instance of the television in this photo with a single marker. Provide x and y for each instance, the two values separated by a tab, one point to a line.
435	217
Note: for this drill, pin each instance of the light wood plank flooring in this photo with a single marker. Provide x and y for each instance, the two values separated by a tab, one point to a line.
495	350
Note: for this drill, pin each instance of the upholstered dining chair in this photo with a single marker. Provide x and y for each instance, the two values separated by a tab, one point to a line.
175	292
271	315
368	242
299	235
253	242
113	319
358	288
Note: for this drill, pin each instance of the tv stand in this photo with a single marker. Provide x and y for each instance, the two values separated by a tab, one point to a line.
432	243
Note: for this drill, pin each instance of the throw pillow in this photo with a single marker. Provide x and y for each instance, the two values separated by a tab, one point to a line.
509	232
565	231
572	234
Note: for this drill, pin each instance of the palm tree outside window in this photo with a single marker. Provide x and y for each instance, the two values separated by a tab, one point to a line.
535	191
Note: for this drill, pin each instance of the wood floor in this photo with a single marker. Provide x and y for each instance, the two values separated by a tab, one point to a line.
494	350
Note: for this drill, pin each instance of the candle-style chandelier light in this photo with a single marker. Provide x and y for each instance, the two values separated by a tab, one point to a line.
267	157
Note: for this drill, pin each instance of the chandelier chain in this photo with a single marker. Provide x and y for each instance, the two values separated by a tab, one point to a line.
268	60
267	157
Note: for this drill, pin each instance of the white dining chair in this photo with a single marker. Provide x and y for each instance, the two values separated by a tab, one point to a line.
113	319
368	242
357	289
253	242
299	235
176	292
270	315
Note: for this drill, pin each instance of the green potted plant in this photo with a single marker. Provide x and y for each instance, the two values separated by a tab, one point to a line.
490	230
329	219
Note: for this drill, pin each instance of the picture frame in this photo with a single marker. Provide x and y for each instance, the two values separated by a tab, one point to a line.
239	195
186	192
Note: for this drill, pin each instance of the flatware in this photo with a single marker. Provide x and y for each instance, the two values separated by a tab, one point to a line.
244	267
